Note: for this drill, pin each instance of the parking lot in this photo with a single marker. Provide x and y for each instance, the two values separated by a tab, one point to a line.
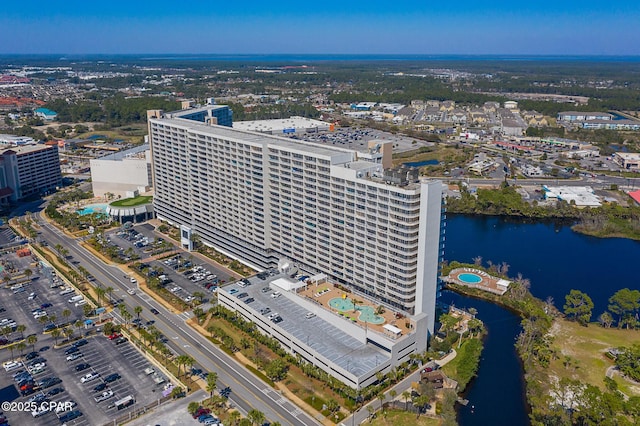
181	274
358	139
44	374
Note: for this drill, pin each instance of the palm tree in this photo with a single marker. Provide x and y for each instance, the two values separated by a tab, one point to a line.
381	396
28	272
109	291
234	418
20	328
188	363
181	361
100	292
199	295
212	378
256	417
32	340
421	402
21	347
126	315
138	310
193	407
406	395
68	332
66	313
55	334
371	410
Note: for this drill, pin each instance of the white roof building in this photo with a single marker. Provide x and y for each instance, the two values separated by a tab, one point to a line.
582	196
292	125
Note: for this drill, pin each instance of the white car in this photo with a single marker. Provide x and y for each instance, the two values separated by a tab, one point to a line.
38	368
89	377
39	314
32	296
104	396
74	356
131	291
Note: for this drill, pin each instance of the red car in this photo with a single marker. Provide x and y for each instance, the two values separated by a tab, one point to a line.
200	411
114	336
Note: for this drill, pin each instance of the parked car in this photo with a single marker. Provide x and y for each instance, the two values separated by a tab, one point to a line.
83	366
104	396
112	378
74	356
100	387
89	377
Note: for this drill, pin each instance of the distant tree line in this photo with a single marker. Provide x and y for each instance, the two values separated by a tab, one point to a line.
116	110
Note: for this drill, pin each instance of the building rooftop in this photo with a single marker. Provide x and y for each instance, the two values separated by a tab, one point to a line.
135	152
330	341
258	138
279	124
25	149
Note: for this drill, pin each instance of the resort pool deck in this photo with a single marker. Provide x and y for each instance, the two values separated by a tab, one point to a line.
367	313
92	208
476	278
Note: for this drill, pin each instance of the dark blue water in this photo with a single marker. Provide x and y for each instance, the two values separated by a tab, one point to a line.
556	260
422	163
496	395
553	257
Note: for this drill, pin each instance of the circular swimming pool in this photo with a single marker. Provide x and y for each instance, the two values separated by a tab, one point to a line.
470	278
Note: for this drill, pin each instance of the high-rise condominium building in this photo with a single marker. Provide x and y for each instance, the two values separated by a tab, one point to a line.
27	170
264	199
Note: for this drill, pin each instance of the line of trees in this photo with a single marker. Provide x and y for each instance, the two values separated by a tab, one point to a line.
623	308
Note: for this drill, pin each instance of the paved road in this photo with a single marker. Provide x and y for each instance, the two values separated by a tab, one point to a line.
248	392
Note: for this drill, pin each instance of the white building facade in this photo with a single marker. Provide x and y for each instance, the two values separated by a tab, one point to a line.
122	173
262	198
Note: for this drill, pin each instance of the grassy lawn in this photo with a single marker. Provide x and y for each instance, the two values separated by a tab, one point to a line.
402	418
586	347
129	202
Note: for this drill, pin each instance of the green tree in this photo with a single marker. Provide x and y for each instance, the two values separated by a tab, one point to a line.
212	379
421	402
624	303
193	407
256	417
138	310
276	370
406	395
32	340
55	334
20	328
578	306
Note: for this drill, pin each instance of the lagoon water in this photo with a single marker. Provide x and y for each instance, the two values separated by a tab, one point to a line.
555	259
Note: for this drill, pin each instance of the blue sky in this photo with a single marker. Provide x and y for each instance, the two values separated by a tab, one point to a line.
345	27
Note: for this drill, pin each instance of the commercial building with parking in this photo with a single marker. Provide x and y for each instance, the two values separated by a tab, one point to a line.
268	201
